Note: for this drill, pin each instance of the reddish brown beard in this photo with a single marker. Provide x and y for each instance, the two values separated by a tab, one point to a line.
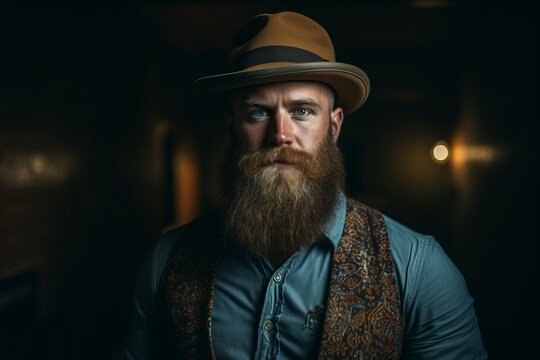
274	211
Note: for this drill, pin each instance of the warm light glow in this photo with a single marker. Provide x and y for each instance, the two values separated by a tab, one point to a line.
26	169
477	153
464	154
440	152
186	175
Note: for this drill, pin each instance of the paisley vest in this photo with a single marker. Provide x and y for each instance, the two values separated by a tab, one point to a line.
363	317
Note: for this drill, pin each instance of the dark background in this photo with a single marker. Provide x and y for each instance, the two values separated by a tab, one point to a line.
100	151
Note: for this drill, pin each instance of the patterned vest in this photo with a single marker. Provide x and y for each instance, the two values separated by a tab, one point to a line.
363	317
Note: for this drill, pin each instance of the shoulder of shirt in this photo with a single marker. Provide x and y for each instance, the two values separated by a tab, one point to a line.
410	251
418	260
403	240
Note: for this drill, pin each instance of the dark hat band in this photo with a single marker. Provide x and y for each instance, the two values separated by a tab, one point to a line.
269	54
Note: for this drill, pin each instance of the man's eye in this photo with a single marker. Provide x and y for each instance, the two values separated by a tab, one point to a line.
259	113
301	112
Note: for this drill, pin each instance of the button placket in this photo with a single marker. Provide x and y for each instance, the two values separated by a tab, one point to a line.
268	325
268	342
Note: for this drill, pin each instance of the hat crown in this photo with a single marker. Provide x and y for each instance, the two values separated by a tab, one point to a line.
282	47
281	38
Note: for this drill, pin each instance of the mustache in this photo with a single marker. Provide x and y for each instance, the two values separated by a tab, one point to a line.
254	161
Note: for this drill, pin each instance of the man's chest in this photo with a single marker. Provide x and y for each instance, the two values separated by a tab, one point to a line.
265	313
362	318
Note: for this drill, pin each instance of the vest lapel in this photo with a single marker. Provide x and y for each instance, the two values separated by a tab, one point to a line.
187	291
363	316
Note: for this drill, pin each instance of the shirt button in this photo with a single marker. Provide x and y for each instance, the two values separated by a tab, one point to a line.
268	325
277	278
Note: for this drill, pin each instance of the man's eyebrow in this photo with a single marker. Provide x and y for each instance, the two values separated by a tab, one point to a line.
254	104
304	101
294	102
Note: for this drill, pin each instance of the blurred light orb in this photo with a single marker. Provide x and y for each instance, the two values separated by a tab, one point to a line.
440	152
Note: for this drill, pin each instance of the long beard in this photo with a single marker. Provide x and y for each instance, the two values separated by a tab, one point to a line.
274	211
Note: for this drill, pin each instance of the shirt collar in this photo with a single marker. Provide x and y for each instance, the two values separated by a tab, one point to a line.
334	226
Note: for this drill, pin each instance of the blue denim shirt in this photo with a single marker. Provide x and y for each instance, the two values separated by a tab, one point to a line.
265	313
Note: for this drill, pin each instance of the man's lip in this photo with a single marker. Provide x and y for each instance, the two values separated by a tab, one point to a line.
279	163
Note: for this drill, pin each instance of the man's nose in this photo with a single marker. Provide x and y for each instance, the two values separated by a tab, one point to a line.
281	130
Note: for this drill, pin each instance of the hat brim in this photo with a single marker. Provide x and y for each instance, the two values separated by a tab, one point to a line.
349	82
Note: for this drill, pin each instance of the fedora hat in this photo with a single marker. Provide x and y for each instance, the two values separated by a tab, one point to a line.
286	46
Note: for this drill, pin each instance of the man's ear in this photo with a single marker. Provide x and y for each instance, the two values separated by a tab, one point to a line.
336	119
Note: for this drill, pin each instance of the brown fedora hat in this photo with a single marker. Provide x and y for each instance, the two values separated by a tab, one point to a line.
287	46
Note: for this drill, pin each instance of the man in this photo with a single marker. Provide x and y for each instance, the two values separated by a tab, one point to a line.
292	268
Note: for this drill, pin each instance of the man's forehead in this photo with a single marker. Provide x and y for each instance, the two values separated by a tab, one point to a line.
290	91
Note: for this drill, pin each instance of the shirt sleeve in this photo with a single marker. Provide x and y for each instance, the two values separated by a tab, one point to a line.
138	339
142	338
440	318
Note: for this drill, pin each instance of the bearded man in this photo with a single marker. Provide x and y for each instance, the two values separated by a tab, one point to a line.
291	268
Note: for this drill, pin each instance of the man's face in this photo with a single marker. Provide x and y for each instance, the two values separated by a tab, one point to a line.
284	169
289	114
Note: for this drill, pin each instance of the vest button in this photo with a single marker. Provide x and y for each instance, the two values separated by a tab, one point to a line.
277	277
268	325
